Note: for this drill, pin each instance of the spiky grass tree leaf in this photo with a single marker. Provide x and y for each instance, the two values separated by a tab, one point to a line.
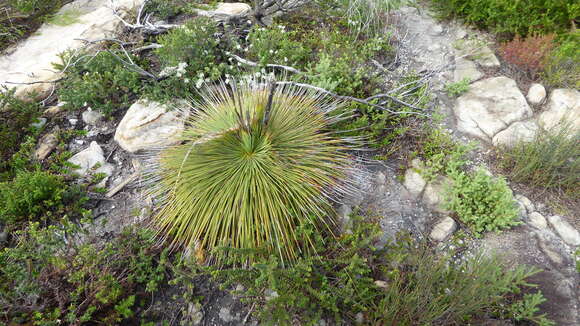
255	165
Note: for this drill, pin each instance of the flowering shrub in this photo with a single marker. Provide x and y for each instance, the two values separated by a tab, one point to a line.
528	53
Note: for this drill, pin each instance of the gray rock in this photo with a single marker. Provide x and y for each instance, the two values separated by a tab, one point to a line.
46	146
54	110
433	194
537	220
443	229
465	69
536	94
3	237
92	161
520	131
148	125
91	117
39	124
414	182
566	231
490	106
478	51
526	202
226	315
563	105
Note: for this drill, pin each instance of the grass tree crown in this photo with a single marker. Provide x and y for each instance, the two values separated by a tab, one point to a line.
257	162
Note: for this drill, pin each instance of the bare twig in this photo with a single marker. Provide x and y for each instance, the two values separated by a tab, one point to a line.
255	64
147	47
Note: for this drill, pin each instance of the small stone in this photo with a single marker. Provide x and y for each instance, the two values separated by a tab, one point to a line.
233	9
465	69
39	124
414	182
536	94
566	231
443	229
89	159
47	144
226	315
433	194
359	318
3	237
523	212
147	125
526	202
53	110
73	121
382	284
91	117
194	313
537	220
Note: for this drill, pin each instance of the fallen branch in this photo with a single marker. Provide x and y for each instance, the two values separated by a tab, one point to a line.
147	47
361	101
255	64
146	26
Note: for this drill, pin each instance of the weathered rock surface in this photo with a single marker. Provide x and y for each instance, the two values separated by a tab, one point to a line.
92	161
537	220
520	131
536	94
46	145
91	117
414	182
566	231
466	69
433	194
148	125
477	51
490	106
526	202
32	59
563	106
443	229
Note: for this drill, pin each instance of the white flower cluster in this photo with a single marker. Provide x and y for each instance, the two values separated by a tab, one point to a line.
178	70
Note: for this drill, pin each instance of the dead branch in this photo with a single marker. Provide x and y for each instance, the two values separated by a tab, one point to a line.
144	24
255	64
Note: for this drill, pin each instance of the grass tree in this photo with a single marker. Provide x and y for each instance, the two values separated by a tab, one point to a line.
256	164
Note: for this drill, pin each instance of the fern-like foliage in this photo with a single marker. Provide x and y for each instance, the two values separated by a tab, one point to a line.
256	162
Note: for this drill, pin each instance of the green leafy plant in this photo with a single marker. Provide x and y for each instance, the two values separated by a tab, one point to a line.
100	81
277	45
551	160
481	202
254	165
50	278
353	277
457	88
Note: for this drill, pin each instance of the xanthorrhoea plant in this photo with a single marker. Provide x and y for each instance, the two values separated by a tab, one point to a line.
256	163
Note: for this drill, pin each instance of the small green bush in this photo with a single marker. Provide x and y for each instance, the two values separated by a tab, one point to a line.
562	67
276	45
457	88
512	17
99	81
16	117
338	283
30	195
481	202
551	160
48	278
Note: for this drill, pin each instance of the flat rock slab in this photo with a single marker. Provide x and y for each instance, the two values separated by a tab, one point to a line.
465	69
489	107
31	60
148	125
521	131
563	107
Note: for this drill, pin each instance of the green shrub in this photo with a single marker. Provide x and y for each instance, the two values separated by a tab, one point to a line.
49	278
562	67
249	173
29	196
512	17
551	160
338	284
368	17
190	56
276	45
481	202
16	117
457	88
99	81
